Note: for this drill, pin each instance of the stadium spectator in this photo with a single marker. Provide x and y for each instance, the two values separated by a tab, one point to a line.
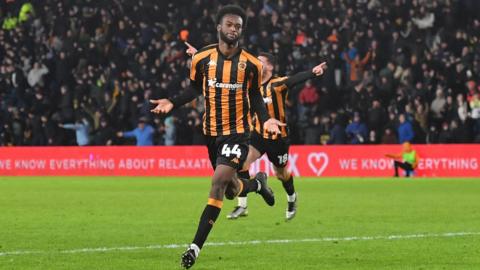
475	106
459	133
337	134
106	58
389	137
358	98
313	131
81	128
405	130
104	134
356	66
308	95
421	116
357	131
445	135
438	106
169	137
35	75
143	134
376	116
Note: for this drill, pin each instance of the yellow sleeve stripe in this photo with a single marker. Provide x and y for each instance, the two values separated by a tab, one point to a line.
197	58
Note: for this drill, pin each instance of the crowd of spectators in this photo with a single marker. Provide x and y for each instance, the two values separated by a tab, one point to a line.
81	72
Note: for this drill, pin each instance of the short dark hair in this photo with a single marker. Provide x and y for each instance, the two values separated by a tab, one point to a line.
231	9
270	57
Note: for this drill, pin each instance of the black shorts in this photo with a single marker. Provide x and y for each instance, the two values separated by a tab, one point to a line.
230	150
277	150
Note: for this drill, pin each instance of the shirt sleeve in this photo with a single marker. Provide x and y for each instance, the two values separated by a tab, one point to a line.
189	94
255	96
299	78
195	88
129	134
258	105
71	126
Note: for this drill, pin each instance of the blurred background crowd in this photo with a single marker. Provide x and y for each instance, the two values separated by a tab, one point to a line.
81	72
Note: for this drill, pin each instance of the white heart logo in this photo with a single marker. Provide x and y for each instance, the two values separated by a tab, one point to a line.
318	162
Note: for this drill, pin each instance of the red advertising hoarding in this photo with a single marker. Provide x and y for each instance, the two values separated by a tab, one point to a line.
436	160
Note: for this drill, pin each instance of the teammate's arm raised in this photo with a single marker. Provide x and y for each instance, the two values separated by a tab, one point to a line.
190	50
300	77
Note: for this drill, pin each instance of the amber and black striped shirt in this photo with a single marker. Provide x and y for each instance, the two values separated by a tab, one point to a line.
226	83
274	93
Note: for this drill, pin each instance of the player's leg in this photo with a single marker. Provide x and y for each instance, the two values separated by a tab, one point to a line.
230	153
222	176
242	174
288	185
405	166
408	169
277	152
256	150
241	209
396	164
241	184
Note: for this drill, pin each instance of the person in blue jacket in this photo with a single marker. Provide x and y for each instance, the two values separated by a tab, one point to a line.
143	133
357	131
405	130
81	128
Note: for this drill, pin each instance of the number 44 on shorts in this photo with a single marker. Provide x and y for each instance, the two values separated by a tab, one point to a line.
235	150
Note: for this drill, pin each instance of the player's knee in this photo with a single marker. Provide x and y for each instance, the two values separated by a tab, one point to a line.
282	175
231	191
219	184
229	194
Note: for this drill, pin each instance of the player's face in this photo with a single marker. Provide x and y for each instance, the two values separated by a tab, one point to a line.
266	66
407	147
230	28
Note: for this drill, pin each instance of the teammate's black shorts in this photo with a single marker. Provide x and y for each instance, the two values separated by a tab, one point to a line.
277	150
230	150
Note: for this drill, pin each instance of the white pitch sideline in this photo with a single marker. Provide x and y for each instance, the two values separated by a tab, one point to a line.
243	243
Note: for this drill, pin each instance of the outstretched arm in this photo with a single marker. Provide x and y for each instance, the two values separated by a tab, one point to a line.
366	58
69	126
164	105
188	95
126	134
305	75
395	156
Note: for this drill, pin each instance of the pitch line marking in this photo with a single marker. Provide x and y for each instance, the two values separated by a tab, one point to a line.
243	243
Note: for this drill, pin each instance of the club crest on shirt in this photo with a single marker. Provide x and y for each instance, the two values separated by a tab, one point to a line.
242	65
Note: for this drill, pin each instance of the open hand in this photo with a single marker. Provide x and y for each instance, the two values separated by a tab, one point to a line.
272	125
163	106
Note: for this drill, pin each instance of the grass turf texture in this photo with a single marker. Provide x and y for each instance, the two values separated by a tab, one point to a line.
54	214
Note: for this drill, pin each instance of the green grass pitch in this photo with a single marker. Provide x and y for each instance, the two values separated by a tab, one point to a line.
139	223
